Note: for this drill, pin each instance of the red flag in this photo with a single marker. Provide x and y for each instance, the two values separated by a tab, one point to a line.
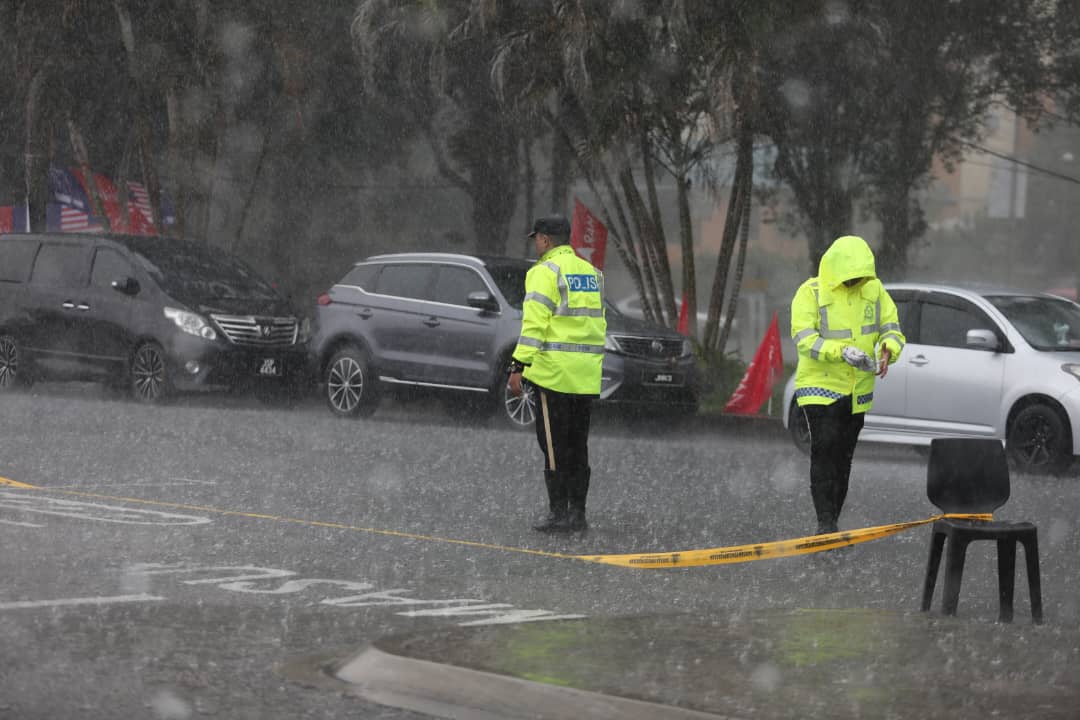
110	200
757	384
588	236
684	317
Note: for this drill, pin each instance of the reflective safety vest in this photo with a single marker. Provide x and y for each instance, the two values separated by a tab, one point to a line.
562	326
827	316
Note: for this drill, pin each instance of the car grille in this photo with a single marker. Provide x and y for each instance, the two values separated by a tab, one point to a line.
646	347
257	331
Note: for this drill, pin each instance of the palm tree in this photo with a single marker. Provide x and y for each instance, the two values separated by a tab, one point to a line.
433	59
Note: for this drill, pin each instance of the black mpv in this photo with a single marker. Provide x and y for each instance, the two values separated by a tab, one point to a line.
151	315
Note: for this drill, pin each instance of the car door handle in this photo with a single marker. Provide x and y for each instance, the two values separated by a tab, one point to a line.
919	360
82	306
432	322
365	313
67	305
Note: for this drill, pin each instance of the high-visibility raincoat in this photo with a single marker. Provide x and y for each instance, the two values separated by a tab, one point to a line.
827	315
563	326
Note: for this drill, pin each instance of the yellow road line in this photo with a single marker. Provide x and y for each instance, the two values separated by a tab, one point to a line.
297	521
685	558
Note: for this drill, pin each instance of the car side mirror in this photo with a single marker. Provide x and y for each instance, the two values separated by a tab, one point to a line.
483	300
128	286
982	340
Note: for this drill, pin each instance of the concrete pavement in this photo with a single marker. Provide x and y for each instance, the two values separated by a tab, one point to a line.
791	664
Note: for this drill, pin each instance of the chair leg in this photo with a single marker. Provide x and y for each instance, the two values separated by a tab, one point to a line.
937	540
954	570
1031	556
1006	578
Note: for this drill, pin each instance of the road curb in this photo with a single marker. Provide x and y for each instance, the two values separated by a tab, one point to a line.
455	692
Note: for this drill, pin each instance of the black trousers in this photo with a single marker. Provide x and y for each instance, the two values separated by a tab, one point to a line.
834	431
562	429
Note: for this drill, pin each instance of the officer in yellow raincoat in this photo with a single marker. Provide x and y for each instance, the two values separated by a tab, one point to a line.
847	332
560	353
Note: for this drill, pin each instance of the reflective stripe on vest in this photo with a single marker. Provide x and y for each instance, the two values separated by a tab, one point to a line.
562	347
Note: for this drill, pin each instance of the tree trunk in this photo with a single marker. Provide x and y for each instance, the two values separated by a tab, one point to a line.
746	157
149	173
529	181
659	239
36	157
727	248
644	227
172	109
561	158
896	231
689	275
78	146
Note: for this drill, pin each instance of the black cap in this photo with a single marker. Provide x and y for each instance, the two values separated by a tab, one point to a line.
555	225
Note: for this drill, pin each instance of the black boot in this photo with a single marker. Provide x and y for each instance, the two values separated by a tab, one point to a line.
823	508
579	490
557	519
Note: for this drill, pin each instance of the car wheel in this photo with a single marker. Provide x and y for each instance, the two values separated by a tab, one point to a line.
1037	441
12	375
350	386
799	428
518	413
150	374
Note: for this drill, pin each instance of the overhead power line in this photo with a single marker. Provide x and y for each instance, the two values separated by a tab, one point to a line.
1022	163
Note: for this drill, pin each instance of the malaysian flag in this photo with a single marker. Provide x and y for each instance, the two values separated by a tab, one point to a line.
66	189
62	218
140	218
109	199
69	209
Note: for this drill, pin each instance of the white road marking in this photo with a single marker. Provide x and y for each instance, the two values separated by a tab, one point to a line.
78	601
138	483
244	579
94	511
20	524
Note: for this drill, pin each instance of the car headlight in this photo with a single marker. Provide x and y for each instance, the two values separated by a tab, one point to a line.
305	330
1073	369
191	323
687	348
611	344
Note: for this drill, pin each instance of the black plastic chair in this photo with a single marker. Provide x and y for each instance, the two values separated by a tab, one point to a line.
972	476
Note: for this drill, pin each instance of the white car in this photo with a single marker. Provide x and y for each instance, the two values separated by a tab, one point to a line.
992	363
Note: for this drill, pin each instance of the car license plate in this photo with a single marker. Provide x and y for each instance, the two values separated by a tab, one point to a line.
270	367
663	378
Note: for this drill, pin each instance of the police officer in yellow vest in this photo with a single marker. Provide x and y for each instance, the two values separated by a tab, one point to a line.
847	332
560	353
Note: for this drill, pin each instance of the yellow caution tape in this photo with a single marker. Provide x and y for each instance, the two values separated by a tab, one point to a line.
761	551
686	558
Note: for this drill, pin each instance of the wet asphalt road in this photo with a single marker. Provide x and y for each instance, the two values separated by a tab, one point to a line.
173	559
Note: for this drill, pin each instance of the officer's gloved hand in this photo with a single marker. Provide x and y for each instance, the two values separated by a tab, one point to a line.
858	359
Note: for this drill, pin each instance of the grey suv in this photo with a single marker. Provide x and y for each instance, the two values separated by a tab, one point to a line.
448	323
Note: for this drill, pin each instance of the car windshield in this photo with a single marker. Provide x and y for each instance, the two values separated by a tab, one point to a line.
189	270
510	279
1047	323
